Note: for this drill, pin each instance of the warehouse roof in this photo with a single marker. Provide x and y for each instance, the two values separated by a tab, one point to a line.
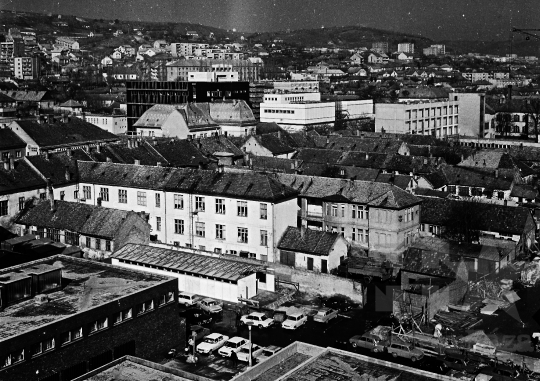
184	262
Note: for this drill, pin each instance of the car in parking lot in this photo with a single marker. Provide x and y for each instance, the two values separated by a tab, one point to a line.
211	343
199	331
267	352
232	345
196	316
210	305
294	320
243	353
187	298
400	348
258	319
324	315
368	341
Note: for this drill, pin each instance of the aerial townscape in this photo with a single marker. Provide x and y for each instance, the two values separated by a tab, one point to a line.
190	202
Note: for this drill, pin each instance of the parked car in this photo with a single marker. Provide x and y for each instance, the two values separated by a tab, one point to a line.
210	305
368	341
324	315
340	303
399	348
258	319
199	331
243	353
232	345
211	343
294	320
196	316
187	299
267	352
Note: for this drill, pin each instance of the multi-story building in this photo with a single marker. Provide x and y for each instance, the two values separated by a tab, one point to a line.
406	47
213	76
115	124
378	217
67	43
68	316
381	46
297	86
179	70
460	114
435	50
476	76
27	68
231	213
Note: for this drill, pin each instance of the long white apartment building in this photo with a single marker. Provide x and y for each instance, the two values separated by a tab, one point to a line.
241	214
115	124
459	114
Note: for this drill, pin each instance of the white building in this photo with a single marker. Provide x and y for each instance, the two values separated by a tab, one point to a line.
297	116
297	86
115	124
213	76
241	214
406	47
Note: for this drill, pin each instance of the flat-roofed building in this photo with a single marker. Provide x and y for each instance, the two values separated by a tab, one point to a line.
64	316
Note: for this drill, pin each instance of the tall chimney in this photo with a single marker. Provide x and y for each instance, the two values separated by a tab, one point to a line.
302	231
158	164
47	155
137	162
67	174
497	173
51	195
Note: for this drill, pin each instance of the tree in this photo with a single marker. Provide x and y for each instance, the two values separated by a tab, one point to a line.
503	122
533	111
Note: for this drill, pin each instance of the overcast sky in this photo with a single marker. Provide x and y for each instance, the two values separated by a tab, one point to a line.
437	19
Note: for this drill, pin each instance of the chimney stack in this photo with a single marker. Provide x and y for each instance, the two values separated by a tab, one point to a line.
137	162
201	165
11	162
367	156
302	232
158	164
67	173
51	195
357	132
69	152
109	160
279	134
497	173
47	155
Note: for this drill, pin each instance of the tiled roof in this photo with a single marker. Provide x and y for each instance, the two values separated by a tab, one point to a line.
401	181
225	269
235	112
22	177
433	263
179	153
273	164
265	128
317	155
6	98
355	191
488	159
60	168
252	185
524	191
58	134
364	159
412	164
311	242
276	144
209	146
492	217
194	115
424	93
354	143
477	177
28	96
71	103
10	140
77	217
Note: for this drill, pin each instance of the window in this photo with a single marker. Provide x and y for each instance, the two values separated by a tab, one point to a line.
242	235
500	195
220	231
220	206
141	198
334	210
342	210
199	204
3	208
122	316
264	238
242	208
36	349
72	238
122	196
98	243
179	226
107	245
158	224
166	298
264	211
104	194
99	325
87	192
158	200
199	229
21	203
88	242
178	201
146	307
49	345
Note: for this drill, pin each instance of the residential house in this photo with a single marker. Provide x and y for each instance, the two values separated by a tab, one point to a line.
97	230
11	145
210	211
312	250
276	144
70	107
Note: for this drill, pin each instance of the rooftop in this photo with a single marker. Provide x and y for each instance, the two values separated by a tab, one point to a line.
309	241
89	284
10	140
175	260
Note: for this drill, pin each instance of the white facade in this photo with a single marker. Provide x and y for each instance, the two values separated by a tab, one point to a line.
282	98
231	76
297	86
296	116
115	124
180	221
358	109
406	47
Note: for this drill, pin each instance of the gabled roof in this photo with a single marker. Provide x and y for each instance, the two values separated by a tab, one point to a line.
71	103
10	140
28	96
494	217
156	115
277	143
400	181
76	217
55	134
249	185
355	191
317	155
6	99
273	164
525	191
308	241
478	177
220	143
60	168
194	115
22	177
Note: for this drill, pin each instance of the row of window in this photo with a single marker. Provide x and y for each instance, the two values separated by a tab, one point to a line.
429	123
362	212
5	155
77	334
433	111
272	111
200	231
475	191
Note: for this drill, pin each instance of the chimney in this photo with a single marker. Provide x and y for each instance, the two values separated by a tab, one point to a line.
497	173
51	195
47	155
158	164
137	162
129	143
38	119
67	174
109	160
292	165
201	165
246	158
367	156
69	152
6	165
327	139
357	132
462	157
425	161
98	148
11	162
302	232
279	134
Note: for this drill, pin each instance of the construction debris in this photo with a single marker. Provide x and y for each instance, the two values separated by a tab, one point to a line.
457	320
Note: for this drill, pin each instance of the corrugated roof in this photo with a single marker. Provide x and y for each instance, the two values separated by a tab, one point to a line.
312	241
196	264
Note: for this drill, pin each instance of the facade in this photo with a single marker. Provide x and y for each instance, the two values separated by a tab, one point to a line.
234	117
213	277
381	46
287	98
115	124
312	250
65	321
406	47
242	214
11	145
377	217
27	68
297	86
213	76
435	50
67	43
297	116
98	231
247	71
